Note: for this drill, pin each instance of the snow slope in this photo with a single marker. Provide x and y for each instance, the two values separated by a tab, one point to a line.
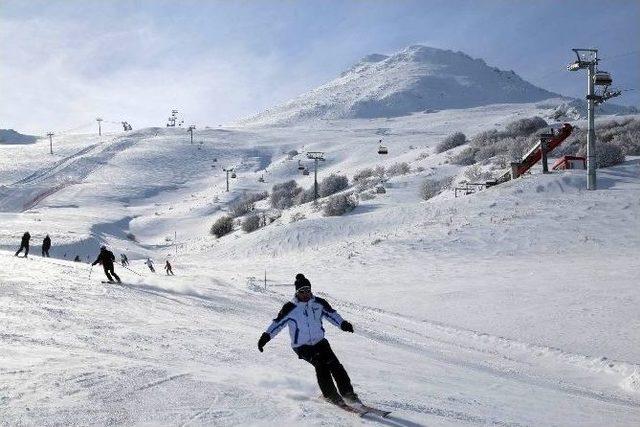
513	306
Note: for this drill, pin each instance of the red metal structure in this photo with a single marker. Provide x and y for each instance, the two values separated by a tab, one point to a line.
535	154
570	162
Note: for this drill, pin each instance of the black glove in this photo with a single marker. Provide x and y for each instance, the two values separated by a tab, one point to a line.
346	326
264	338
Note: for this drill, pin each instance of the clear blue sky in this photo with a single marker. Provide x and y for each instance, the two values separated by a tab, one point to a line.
62	63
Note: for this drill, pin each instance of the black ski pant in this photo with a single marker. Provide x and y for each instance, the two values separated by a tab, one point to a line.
109	269
327	365
26	249
45	252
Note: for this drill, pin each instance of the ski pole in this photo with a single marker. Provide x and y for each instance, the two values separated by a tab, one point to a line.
134	272
90	270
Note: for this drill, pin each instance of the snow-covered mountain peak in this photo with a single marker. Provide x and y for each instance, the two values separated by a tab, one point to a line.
415	79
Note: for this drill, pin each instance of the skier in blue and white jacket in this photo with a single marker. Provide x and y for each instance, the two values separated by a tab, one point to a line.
304	314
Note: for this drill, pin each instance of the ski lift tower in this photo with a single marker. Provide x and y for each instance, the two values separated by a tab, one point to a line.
233	175
316	156
99	120
588	59
50	135
190	129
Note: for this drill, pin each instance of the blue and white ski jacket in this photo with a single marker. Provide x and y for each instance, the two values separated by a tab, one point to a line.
304	320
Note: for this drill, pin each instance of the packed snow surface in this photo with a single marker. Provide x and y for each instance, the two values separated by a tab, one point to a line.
517	305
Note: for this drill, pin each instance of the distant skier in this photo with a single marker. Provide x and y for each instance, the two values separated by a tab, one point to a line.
106	258
303	314
24	244
124	260
77	259
167	267
150	265
46	245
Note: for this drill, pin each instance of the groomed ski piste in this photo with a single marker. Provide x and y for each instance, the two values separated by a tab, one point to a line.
517	305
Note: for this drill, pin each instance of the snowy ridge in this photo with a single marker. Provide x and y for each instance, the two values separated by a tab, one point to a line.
415	79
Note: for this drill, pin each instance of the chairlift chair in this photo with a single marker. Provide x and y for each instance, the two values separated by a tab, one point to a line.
261	179
382	149
233	175
602	78
305	171
300	166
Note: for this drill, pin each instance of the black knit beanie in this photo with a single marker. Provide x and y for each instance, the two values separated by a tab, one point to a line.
302	282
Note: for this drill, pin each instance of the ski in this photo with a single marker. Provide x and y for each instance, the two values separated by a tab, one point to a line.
112	282
354	410
371	410
357	403
343	405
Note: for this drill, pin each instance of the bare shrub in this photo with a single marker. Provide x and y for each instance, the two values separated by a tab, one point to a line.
451	141
432	187
398	169
298	216
465	157
304	196
367	195
332	184
380	189
245	203
340	205
473	173
526	126
224	225
629	142
607	154
282	194
362	175
251	223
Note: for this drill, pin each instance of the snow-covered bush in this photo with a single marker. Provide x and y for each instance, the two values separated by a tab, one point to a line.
224	225
451	141
432	187
526	126
340	205
251	223
332	184
291	154
282	194
607	154
362	175
465	157
398	169
304	196
244	204
298	216
629	142
379	171
367	195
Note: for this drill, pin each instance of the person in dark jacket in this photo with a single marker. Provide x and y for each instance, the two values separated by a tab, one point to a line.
167	266
46	245
24	244
106	258
304	314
